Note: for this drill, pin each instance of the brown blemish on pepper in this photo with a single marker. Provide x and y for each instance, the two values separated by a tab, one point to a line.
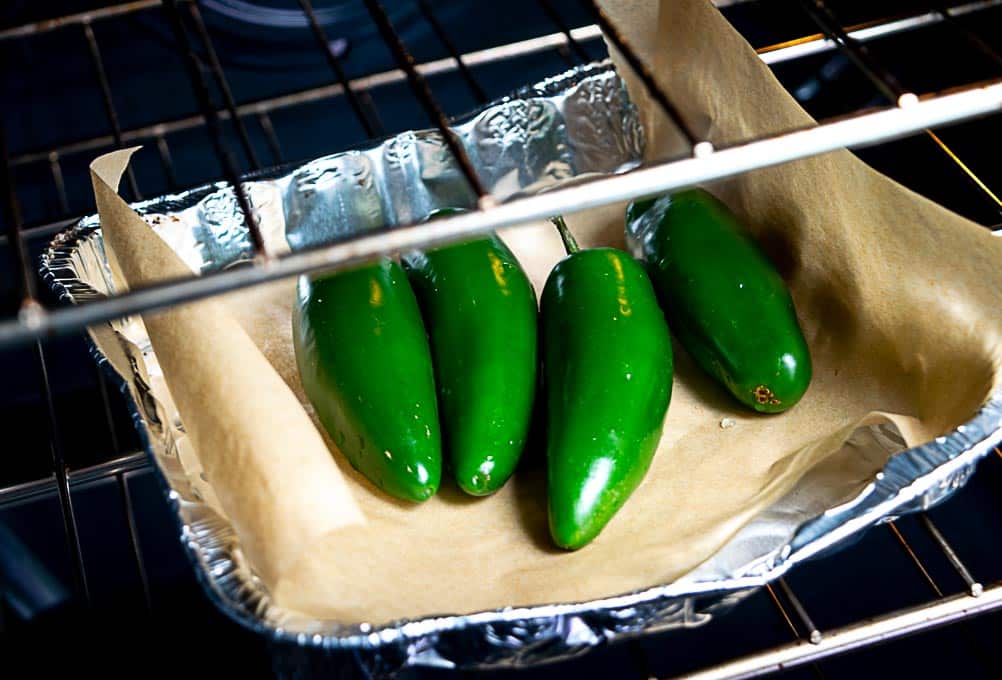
764	395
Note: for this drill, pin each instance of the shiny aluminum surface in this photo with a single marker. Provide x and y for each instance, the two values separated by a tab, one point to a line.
577	124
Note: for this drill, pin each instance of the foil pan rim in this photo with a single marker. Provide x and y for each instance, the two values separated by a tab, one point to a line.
957	450
912	480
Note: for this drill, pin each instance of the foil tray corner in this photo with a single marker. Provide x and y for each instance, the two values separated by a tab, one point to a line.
577	123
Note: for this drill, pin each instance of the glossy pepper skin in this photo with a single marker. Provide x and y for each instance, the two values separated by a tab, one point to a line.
480	311
608	378
366	367
724	299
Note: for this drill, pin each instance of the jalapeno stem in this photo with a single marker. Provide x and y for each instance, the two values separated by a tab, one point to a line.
570	243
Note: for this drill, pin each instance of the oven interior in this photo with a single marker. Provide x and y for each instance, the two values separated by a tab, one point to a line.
90	568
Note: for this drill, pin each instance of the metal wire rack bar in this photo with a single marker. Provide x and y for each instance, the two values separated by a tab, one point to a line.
794	631
973	587
109	103
264	120
881	79
643	71
562	26
167	162
773	54
977	181
423	93
359	85
856	131
113	11
194	69
974	590
43	230
914	558
371	129
835	642
896	624
61	472
12	217
222	84
770	55
782	611
845	639
838	641
857	52
818	43
28	491
137	553
109	417
57	180
450	47
96	14
813	634
949	15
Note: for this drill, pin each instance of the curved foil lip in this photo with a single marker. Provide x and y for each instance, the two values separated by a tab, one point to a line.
75	266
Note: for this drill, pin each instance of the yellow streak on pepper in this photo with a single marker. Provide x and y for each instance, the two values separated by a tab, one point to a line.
624	303
376	300
497	266
375	293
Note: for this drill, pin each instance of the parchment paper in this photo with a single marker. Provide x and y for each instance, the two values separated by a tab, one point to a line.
245	424
898	334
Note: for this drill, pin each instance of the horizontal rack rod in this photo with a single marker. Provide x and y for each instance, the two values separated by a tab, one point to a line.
818	43
853	132
44	230
110	11
200	88
428	68
90	16
892	626
770	55
423	94
20	492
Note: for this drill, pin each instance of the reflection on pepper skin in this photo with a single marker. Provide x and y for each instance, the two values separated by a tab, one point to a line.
608	368
480	311
726	302
366	367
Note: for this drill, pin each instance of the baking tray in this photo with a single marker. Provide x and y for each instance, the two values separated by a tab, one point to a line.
577	124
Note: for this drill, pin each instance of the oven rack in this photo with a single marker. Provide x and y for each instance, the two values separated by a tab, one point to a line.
808	645
906	113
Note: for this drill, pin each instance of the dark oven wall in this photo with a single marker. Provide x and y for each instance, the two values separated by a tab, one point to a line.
55	402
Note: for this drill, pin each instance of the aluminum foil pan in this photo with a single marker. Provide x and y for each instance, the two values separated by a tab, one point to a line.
575	124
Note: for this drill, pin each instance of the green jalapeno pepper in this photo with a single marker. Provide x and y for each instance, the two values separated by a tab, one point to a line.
480	312
608	376
366	366
724	299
